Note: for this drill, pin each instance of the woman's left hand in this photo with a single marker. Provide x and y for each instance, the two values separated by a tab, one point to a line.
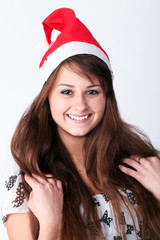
147	172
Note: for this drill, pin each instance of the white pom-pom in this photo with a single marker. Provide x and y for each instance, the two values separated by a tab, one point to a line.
43	46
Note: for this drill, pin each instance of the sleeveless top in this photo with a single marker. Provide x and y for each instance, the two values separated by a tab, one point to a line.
14	201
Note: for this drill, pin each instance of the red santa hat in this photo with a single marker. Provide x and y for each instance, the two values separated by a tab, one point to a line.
74	38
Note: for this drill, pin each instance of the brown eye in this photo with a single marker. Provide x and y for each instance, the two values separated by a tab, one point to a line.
66	92
92	92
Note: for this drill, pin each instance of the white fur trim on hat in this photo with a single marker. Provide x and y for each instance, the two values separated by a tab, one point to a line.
70	49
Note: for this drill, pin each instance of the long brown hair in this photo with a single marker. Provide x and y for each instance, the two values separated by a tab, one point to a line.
37	148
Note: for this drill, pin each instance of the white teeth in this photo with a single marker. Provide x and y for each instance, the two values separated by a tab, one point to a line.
78	118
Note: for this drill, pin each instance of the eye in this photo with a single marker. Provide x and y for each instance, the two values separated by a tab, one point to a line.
66	92
92	92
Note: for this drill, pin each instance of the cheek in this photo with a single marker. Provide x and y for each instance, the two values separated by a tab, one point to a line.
99	106
57	106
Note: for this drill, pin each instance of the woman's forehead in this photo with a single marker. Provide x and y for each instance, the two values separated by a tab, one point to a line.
71	72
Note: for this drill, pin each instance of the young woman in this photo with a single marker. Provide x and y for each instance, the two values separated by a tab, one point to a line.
84	173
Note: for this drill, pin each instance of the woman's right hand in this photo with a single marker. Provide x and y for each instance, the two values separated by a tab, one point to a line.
46	202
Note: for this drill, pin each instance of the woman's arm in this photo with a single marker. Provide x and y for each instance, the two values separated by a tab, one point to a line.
147	172
46	203
19	226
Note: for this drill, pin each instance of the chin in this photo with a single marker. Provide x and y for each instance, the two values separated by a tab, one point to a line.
74	132
78	134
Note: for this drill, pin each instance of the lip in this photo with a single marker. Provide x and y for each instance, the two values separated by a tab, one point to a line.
79	116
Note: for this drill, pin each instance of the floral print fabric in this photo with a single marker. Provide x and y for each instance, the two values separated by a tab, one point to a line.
16	202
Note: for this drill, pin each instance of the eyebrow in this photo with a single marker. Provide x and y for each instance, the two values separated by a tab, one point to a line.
68	85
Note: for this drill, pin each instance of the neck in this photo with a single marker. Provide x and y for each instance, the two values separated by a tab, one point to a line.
74	145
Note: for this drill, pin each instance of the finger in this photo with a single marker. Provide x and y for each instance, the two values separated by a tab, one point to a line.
30	180
146	164
39	179
51	181
49	178
130	172
59	185
54	182
135	156
132	163
49	175
154	160
145	161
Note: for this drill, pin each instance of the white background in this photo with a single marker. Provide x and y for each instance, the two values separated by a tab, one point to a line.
128	30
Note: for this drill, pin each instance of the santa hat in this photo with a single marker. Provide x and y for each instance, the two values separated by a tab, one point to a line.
74	38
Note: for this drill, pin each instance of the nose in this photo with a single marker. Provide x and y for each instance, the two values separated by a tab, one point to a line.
80	103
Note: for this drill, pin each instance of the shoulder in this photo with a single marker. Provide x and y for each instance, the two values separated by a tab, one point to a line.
14	199
129	194
19	226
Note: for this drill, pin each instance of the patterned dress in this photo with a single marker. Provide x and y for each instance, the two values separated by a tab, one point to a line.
15	202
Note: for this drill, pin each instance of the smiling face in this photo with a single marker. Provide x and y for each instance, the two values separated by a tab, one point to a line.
77	105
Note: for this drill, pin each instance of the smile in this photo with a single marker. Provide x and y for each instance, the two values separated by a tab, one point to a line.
79	118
